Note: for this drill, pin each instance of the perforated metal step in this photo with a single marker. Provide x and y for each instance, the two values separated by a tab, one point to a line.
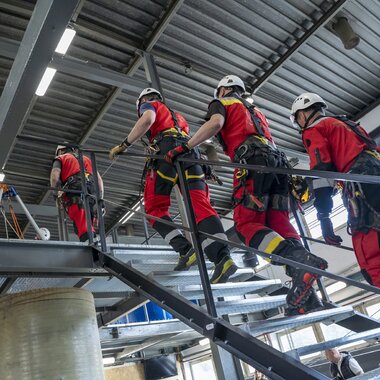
270	325
191	277
155	265
250	305
354	337
228	289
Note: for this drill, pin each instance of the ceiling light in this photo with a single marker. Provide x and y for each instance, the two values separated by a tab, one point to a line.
65	41
45	81
109	361
2	176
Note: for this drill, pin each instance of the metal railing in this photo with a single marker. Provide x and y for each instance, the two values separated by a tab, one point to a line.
196	233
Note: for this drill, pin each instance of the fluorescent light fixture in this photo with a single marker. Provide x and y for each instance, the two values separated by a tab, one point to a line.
136	207
109	361
45	81
65	41
335	287
2	176
204	342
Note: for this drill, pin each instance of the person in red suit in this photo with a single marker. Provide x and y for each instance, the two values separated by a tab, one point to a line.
65	175
260	199
335	143
166	130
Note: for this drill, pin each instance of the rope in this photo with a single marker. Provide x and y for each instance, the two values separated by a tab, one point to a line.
6	221
16	224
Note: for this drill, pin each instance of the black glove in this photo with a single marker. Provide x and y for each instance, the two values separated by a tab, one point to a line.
172	155
210	174
328	230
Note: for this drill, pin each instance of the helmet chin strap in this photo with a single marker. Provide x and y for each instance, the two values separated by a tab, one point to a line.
307	122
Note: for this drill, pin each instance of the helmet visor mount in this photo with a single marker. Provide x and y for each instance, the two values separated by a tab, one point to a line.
294	122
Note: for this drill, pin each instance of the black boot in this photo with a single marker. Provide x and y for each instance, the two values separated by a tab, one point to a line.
303	281
312	304
186	261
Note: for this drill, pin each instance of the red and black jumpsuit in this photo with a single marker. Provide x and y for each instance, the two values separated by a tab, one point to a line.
333	145
70	179
168	131
261	200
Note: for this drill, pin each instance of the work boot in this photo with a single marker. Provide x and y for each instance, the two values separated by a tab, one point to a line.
223	270
312	304
186	261
303	281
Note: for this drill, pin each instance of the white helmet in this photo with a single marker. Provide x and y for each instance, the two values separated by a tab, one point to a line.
230	81
60	147
306	100
147	91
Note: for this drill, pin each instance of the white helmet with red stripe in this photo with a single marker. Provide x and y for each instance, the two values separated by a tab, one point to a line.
230	81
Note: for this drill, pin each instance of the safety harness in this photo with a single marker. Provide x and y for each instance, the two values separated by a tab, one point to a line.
74	182
255	146
361	216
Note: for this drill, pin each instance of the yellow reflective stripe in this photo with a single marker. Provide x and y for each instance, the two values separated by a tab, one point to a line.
273	244
228	102
373	153
174	130
189	176
171	179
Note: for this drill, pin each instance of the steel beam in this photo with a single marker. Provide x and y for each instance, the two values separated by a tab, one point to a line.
80	68
33	209
47	258
256	353
45	28
334	9
124	307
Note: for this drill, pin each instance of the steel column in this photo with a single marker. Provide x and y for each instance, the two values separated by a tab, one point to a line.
153	77
63	230
100	218
45	28
194	232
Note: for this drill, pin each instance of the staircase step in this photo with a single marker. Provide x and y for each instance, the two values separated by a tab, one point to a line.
249	305
270	325
155	265
191	277
228	289
365	335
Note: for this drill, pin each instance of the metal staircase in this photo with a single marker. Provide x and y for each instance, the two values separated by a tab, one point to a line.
119	288
150	263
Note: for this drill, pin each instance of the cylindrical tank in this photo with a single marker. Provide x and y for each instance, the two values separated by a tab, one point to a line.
49	334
